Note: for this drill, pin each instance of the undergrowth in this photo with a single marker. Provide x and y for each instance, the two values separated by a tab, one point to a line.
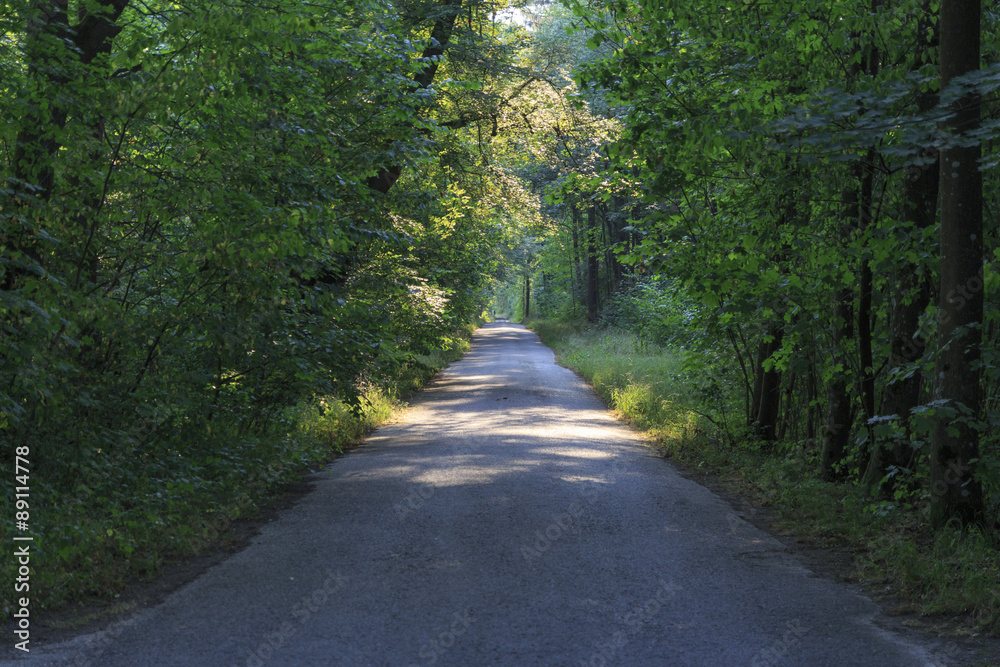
127	512
948	572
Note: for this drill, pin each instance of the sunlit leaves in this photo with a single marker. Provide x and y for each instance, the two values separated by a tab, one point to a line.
210	245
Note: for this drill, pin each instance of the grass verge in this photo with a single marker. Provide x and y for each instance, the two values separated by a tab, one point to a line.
953	575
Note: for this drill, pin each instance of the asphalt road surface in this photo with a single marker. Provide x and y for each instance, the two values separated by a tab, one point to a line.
506	519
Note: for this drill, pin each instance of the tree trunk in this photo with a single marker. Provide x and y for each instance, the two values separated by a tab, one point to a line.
578	289
614	237
866	217
812	395
766	424
789	399
593	279
446	14
838	428
955	490
839	406
865	286
527	296
758	385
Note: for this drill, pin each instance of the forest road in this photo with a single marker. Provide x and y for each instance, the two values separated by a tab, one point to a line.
505	519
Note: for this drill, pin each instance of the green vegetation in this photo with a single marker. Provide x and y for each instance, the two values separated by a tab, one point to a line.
122	519
642	382
946	572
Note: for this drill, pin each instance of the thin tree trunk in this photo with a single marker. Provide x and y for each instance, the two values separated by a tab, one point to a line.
578	289
747	386
866	215
618	237
865	287
839	406
593	278
527	296
758	384
788	416
812	394
614	266
765	426
837	430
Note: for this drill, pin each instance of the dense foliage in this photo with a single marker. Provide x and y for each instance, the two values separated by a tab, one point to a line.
771	198
221	223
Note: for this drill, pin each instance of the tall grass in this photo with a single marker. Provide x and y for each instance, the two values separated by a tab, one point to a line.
638	380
